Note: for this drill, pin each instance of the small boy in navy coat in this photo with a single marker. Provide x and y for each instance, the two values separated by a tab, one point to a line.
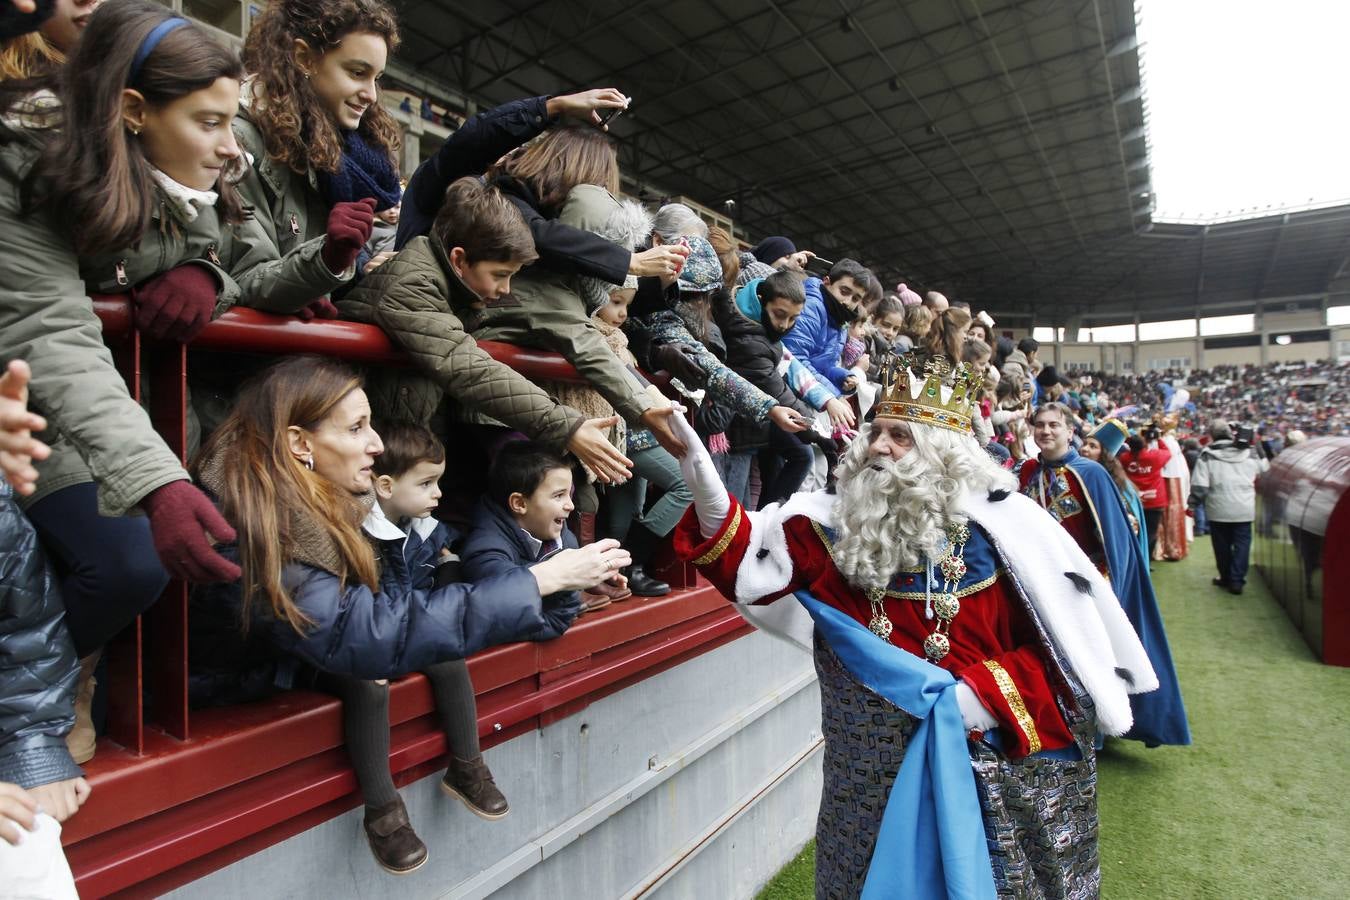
522	520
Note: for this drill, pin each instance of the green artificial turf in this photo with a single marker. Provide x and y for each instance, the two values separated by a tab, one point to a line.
1258	806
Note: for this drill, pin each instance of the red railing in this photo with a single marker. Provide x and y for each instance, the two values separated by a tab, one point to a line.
180	792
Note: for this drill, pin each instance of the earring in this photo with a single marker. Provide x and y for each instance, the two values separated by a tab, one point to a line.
309	462
136	131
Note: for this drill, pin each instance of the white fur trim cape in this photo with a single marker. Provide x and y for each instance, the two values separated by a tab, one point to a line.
1089	627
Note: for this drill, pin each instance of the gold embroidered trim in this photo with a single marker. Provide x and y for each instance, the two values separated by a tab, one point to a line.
723	542
1019	706
911	595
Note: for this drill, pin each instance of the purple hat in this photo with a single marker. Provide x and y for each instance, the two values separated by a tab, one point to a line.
907	297
702	270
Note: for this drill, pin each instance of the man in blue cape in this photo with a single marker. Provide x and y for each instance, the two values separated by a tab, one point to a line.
1081	496
964	669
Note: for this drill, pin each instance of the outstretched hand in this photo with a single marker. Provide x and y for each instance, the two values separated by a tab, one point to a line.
585	106
658	421
18	447
591	445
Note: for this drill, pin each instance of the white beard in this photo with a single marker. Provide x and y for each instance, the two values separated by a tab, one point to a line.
890	515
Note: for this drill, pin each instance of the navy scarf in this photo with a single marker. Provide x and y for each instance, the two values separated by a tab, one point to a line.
365	172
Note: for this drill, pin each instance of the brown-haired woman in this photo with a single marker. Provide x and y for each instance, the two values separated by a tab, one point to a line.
947	335
140	119
293	466
324	150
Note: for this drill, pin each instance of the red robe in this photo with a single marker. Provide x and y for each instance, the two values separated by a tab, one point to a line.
995	647
1071	509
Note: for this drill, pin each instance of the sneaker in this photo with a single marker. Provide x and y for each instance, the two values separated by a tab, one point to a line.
471	781
396	847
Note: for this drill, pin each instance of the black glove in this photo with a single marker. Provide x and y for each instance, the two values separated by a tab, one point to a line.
681	361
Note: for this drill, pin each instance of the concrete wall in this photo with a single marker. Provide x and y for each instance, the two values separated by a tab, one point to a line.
701	781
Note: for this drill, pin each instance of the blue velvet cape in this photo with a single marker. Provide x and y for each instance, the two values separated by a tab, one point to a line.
1159	716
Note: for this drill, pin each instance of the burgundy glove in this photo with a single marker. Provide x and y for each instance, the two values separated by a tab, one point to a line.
181	518
177	305
349	226
322	308
681	361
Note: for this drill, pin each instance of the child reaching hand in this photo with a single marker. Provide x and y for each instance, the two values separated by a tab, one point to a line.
522	521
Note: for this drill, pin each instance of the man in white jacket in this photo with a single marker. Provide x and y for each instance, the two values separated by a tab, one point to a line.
1225	481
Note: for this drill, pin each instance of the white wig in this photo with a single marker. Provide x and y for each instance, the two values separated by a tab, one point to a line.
891	515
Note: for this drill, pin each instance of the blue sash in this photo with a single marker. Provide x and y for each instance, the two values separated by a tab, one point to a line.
931	842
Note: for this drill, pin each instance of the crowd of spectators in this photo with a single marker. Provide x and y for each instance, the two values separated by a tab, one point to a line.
307	520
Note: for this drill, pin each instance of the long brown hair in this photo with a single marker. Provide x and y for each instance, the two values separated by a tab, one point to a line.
942	338
561	159
263	489
93	173
296	129
28	56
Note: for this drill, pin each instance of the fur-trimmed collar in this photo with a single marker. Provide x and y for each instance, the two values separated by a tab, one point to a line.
1071	598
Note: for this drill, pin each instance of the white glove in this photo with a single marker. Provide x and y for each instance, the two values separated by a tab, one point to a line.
974	714
712	503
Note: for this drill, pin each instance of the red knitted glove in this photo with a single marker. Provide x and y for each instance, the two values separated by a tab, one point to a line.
322	308
183	524
177	305
349	226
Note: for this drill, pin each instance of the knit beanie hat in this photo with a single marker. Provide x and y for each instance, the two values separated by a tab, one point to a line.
907	297
751	269
771	249
702	270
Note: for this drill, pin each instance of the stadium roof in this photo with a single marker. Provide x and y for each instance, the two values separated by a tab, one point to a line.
994	149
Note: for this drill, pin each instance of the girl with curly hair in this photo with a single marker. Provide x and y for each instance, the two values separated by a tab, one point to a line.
324	151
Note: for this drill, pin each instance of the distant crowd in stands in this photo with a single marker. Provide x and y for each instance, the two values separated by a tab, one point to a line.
138	157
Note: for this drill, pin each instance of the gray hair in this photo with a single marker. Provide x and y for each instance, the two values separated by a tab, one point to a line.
890	515
1220	432
675	220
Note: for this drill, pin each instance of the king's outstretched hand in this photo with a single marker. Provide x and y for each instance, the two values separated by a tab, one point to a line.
711	502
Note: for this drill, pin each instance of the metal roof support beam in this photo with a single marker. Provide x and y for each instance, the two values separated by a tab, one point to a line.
1274	254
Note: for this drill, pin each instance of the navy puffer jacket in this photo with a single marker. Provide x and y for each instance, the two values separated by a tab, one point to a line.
38	666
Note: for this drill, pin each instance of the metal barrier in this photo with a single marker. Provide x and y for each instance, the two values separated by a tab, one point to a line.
179	792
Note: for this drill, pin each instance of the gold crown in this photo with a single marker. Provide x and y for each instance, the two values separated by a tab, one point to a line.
938	401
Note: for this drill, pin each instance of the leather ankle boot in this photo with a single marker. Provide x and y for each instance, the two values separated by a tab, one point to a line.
471	781
644	585
396	846
82	738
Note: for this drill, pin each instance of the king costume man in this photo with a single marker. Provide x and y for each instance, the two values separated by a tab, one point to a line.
968	653
1080	495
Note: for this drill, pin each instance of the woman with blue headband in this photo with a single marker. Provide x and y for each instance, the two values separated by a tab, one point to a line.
110	181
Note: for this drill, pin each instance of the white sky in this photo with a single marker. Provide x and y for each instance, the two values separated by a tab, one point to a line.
1247	103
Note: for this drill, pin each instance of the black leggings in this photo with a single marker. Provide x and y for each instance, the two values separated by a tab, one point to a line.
1153	521
365	723
783	465
108	568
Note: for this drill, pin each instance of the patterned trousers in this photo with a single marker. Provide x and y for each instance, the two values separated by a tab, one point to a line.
1040	815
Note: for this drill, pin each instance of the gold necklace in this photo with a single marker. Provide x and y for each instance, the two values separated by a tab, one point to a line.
944	606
